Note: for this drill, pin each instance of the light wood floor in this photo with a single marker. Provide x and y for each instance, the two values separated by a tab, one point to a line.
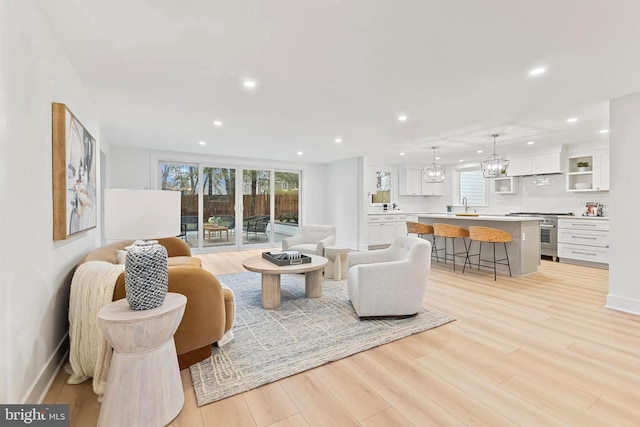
535	351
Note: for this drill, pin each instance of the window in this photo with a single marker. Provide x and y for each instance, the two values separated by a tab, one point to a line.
472	185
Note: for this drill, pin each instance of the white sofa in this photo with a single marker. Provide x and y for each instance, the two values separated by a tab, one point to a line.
311	239
392	281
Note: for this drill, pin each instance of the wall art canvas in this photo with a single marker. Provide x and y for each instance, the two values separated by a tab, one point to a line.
74	175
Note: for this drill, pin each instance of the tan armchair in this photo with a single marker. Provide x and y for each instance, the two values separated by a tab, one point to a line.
311	239
210	309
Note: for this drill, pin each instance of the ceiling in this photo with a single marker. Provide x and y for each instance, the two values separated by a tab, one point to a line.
160	72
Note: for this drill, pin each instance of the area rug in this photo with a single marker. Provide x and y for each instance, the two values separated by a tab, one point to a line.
301	334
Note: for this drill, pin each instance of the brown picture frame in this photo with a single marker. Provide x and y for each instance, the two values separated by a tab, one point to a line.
74	174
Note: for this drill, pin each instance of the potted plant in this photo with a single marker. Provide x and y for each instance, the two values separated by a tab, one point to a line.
583	166
449	208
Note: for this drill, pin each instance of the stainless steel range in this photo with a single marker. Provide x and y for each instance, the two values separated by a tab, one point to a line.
548	231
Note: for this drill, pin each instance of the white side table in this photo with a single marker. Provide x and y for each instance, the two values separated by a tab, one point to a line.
143	386
336	268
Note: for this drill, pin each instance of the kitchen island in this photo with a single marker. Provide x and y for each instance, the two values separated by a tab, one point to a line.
524	250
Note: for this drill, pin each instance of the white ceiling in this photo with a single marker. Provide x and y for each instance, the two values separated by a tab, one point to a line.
161	71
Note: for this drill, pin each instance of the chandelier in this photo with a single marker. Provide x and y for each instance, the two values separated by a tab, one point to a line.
434	172
494	166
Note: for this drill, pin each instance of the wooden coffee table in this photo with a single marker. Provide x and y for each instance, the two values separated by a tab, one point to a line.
210	228
271	277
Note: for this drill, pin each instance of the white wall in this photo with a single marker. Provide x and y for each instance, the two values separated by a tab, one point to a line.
34	72
343	197
624	124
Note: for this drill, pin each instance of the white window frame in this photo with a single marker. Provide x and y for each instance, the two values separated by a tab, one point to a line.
456	185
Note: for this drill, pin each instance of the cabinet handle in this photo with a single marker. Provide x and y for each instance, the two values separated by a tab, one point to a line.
583	225
583	253
583	237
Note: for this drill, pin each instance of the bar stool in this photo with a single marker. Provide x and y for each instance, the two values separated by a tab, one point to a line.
489	235
419	228
448	231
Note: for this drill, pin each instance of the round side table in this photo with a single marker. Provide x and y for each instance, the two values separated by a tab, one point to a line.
143	386
336	268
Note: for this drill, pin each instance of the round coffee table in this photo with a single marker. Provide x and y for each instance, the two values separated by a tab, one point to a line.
271	277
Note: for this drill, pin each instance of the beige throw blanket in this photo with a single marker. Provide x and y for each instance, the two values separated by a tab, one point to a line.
90	354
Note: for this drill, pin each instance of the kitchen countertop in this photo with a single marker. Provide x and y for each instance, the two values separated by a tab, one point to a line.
482	217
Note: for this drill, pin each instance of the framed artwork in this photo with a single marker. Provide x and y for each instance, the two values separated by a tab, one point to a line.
74	175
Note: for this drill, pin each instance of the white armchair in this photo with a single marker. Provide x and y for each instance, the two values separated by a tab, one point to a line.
311	239
392	281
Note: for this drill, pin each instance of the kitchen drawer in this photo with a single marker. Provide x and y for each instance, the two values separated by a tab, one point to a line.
583	253
584	224
381	218
583	237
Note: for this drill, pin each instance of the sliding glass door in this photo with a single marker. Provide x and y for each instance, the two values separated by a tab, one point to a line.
218	206
256	207
226	207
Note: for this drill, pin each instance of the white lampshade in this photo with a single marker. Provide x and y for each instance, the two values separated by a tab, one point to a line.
141	214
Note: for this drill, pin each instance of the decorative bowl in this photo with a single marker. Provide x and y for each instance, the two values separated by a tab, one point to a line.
582	186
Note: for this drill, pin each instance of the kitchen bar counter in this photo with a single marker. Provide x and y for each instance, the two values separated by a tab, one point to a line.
524	250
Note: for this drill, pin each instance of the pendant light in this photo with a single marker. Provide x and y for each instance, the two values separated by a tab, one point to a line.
494	166
434	172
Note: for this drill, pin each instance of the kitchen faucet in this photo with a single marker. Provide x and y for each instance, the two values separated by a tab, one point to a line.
464	202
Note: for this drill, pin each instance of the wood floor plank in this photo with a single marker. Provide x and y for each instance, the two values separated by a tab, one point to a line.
230	412
617	412
557	406
513	408
360	400
462	406
315	401
269	404
413	405
386	418
296	420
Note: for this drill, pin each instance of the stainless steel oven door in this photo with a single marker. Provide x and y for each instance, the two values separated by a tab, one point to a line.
549	240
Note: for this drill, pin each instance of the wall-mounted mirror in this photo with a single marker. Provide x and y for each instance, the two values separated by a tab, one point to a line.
383	188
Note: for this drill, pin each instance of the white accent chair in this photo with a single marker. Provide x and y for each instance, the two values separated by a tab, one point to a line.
311	239
390	282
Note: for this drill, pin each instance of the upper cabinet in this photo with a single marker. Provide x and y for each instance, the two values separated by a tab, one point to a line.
506	185
411	183
537	164
589	172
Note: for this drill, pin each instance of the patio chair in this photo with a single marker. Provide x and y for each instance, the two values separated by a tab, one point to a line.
257	224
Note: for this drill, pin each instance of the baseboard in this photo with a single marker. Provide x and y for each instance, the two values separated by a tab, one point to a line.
48	374
628	305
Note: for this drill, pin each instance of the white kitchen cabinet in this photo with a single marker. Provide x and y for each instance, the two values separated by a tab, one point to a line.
506	185
536	164
519	166
411	183
381	229
584	240
435	188
589	172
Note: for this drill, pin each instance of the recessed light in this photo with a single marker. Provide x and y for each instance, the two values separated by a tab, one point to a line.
437	157
572	120
338	140
300	153
249	84
402	118
461	160
402	154
531	142
202	143
537	71
604	131
479	151
217	123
